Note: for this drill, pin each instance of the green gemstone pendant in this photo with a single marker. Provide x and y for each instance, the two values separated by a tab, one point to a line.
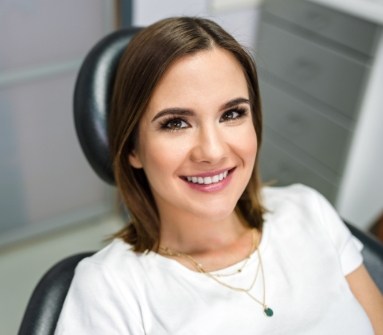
268	311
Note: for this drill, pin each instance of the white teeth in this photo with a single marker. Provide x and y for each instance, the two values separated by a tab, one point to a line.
208	180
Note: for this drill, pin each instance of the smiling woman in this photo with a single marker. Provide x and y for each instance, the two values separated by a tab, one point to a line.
193	91
200	253
202	129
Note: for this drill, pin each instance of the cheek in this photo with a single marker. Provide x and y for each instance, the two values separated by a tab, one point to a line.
246	143
161	157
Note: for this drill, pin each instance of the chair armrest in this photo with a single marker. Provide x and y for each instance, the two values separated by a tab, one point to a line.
44	306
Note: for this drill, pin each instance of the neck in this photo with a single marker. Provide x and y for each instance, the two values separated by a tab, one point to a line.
195	234
215	244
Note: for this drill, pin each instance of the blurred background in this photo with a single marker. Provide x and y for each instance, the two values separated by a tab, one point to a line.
321	70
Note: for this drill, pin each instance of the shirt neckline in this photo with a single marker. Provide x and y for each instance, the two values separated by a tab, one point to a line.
176	266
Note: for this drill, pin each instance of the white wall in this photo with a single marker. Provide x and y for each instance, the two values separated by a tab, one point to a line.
238	17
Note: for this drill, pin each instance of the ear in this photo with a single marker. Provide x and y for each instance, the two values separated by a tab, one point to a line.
135	160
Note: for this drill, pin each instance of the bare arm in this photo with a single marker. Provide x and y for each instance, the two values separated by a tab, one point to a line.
368	295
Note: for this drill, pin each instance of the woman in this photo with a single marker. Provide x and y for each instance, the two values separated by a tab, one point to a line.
209	251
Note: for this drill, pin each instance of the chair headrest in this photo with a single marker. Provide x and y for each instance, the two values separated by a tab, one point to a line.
92	96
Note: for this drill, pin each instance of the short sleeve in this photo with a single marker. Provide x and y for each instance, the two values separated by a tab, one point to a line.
348	247
95	305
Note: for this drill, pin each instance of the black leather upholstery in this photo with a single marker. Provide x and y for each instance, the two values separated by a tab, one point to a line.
92	98
44	307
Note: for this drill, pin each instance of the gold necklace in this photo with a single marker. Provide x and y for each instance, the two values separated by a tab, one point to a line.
170	252
267	310
244	263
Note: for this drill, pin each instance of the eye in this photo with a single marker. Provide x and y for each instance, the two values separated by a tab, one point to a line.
174	124
233	114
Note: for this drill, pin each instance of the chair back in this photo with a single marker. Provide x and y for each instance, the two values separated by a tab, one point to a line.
44	306
92	96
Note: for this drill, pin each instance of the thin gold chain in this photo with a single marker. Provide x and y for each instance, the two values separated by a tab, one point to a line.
173	253
268	311
243	264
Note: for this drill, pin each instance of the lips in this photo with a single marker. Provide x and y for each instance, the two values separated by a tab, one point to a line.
208	179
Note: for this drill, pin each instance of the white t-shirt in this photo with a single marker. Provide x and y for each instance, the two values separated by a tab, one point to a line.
306	252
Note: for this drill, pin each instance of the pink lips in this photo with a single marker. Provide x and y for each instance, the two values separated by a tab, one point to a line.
212	173
214	186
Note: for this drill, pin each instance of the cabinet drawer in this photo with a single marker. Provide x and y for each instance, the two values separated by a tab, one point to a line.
331	77
336	26
279	166
304	126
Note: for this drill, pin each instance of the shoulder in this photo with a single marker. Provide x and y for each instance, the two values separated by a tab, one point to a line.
112	254
103	297
112	265
291	191
113	274
301	211
291	199
302	214
299	204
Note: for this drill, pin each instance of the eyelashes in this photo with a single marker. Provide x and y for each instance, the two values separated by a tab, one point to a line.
176	123
233	114
173	123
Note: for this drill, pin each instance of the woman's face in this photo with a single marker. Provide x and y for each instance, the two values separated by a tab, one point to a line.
196	142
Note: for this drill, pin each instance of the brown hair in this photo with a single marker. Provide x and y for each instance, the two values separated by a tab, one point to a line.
149	54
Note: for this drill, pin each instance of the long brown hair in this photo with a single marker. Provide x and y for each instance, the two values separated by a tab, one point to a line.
149	54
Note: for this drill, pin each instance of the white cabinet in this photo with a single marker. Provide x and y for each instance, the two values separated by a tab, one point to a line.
316	65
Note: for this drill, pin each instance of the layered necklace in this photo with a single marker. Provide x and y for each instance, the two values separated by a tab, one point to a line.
216	276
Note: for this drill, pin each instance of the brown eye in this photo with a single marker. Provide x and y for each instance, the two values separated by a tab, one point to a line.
174	124
233	114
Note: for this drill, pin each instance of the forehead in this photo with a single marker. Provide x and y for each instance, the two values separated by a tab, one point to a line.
206	78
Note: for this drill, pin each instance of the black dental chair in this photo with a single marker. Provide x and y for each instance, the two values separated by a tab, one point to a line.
91	104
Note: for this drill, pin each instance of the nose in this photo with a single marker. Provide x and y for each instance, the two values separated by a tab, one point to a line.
210	146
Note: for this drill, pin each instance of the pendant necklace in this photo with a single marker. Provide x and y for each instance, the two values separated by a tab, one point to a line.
216	277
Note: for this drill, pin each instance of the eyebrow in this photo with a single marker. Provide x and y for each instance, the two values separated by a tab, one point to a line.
235	102
175	111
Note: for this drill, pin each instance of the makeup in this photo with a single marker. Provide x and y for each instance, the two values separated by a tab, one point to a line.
210	182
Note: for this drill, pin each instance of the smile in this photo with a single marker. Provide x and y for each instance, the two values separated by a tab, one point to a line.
208	180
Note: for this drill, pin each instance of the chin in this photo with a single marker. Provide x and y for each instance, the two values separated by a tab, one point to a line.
217	212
